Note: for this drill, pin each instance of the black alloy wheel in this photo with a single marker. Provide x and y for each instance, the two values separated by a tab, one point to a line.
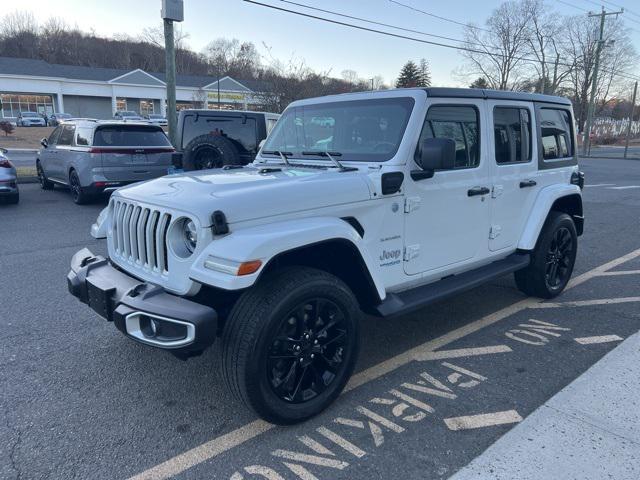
307	351
559	258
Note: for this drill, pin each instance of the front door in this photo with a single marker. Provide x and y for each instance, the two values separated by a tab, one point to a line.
447	219
514	170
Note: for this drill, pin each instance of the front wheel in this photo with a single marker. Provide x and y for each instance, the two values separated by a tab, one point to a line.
290	344
552	260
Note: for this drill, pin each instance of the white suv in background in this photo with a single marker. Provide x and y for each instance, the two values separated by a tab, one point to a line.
378	202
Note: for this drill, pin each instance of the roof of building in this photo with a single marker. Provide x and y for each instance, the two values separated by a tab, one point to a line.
40	68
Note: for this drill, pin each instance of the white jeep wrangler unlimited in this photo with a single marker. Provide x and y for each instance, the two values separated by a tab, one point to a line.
368	202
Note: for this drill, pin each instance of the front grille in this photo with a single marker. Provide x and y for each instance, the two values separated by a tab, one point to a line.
139	235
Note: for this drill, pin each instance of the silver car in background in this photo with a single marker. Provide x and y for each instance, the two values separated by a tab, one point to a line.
157	119
8	180
30	119
127	116
93	157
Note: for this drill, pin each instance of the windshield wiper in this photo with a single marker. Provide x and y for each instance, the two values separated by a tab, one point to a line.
282	155
331	156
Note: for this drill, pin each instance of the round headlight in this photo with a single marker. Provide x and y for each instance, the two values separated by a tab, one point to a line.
190	234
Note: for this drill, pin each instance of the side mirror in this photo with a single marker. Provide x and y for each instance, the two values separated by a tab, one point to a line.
44	142
435	154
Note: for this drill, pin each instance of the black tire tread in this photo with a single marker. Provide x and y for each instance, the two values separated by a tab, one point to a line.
46	184
230	156
242	325
531	280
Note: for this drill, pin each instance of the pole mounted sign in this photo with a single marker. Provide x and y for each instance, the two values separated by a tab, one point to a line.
173	10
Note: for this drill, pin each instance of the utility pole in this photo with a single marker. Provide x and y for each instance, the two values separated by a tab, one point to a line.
594	85
633	107
172	11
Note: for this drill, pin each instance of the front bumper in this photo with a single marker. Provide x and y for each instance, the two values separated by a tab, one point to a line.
142	311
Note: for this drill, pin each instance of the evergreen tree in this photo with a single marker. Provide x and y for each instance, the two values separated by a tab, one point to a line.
409	76
425	74
479	82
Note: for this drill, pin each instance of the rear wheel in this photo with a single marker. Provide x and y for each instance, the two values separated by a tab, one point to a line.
79	196
290	344
552	260
45	183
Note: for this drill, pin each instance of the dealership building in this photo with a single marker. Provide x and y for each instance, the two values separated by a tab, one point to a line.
38	86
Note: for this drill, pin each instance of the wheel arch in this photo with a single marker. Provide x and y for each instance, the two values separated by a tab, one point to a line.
327	243
337	256
560	198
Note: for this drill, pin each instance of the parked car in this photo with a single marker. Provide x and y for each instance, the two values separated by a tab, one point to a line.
92	157
157	119
56	118
8	179
30	119
214	138
127	116
404	198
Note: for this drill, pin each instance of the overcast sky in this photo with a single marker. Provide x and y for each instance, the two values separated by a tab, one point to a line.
322	45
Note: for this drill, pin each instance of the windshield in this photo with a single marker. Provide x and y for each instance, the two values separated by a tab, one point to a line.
360	130
128	114
155	115
130	136
29	114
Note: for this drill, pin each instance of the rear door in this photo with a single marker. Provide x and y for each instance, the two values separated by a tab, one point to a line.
447	216
514	171
132	152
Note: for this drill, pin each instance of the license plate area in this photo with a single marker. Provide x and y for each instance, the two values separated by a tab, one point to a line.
100	300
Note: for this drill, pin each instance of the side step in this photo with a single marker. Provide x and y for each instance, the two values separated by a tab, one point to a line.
416	298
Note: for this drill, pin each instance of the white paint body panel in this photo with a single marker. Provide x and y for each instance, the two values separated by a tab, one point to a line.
446	232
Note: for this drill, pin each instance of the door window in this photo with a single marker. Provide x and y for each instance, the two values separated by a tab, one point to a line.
557	137
512	133
460	123
66	137
54	136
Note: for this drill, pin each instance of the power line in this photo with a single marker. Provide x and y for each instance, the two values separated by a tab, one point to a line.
373	22
428	42
572	5
437	16
620	6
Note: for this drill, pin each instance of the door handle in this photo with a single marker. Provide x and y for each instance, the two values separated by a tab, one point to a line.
528	183
472	192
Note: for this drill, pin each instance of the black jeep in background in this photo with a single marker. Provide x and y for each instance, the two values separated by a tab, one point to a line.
215	138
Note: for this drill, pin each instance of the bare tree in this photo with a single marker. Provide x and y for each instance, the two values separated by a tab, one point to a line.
545	42
503	42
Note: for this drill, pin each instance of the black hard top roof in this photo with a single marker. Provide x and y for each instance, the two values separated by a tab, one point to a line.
494	94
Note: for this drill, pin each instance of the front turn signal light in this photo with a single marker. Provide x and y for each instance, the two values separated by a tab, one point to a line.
247	268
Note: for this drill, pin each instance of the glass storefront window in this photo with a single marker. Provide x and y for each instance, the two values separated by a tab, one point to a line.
12	104
146	107
121	104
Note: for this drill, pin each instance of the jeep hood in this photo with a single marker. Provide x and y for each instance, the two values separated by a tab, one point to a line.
251	192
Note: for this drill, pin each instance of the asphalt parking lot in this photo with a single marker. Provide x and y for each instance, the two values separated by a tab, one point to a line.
432	390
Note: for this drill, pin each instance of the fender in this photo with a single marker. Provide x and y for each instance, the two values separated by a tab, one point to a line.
264	242
544	201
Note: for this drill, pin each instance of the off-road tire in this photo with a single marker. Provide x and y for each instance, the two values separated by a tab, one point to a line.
45	183
249	332
209	151
534	280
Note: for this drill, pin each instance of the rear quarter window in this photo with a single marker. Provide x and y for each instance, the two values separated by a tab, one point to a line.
130	136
